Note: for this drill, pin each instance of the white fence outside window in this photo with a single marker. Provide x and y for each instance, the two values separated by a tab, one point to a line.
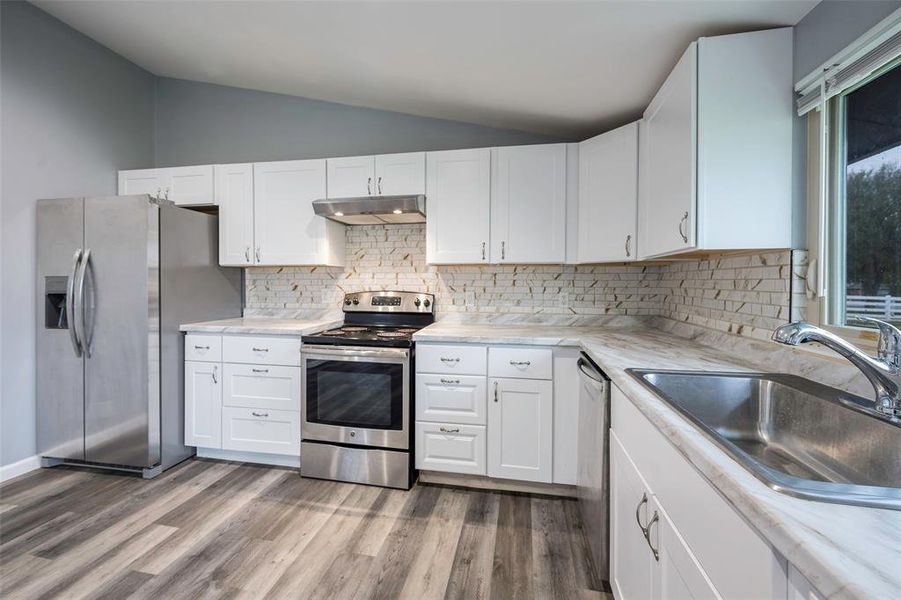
887	308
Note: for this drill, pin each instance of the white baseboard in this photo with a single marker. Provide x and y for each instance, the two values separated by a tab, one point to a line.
277	460
21	467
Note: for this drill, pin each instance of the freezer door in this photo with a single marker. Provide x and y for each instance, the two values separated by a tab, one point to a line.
120	295
60	368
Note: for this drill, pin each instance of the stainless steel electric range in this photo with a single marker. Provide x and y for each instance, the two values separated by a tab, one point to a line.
357	399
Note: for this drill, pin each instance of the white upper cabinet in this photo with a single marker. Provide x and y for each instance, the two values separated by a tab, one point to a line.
715	168
286	231
186	186
458	188
234	195
528	205
351	177
397	174
608	196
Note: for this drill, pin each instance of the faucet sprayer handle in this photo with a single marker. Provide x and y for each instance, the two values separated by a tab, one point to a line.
889	345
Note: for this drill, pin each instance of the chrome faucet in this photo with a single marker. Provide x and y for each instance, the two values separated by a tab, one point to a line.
883	371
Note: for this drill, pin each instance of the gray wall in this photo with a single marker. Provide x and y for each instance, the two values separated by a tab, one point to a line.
832	25
72	113
201	123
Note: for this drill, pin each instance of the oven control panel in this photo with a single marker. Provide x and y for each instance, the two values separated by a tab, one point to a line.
402	302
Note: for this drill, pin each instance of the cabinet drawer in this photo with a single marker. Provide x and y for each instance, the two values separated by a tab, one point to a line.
206	348
518	362
261	430
260	350
451	358
262	386
451	448
451	398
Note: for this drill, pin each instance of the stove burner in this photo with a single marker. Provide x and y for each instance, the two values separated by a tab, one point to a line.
391	334
408	330
353	329
333	332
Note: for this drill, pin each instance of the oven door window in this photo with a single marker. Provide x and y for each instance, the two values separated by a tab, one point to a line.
355	394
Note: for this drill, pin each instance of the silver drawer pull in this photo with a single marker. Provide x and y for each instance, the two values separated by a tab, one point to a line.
215	370
448	360
201	347
260	370
256	414
520	363
260	349
450	381
450	430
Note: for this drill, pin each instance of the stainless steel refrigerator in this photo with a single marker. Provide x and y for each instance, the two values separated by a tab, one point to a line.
115	278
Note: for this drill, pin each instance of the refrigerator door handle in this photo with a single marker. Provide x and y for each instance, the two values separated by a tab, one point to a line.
79	310
70	304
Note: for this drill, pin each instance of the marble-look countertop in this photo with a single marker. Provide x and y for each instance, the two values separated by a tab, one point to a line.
263	326
845	551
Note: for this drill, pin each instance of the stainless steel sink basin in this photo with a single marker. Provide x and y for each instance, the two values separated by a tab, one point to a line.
799	437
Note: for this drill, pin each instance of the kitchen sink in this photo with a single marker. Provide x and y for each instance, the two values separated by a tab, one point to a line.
799	437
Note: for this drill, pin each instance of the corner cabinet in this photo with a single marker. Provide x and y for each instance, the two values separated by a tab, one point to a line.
608	197
458	191
286	231
715	148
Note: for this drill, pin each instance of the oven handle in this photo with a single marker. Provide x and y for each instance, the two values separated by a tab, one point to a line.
345	351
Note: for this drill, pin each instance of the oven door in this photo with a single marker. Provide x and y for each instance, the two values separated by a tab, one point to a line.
357	396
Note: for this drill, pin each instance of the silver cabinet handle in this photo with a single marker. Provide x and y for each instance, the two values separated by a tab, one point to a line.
260	370
213	374
684	220
256	414
258	254
449	360
378	185
70	303
247	253
503	250
483	250
647	536
450	429
495	391
369	185
196	347
628	245
644	500
520	363
260	349
450	381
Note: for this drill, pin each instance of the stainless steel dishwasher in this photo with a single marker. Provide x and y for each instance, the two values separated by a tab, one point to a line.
594	462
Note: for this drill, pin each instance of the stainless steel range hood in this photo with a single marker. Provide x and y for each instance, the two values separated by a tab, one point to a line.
372	210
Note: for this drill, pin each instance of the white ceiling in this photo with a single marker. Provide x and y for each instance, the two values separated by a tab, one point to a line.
565	68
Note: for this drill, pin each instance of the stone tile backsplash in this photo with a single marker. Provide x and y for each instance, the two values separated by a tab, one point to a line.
737	294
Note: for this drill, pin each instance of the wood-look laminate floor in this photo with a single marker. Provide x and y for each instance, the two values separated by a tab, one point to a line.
214	529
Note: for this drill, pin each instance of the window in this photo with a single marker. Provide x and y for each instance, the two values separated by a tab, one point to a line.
864	241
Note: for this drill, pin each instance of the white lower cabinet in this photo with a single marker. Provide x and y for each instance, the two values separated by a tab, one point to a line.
203	404
247	406
520	429
452	448
261	430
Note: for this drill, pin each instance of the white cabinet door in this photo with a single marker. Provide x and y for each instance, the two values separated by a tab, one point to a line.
520	429
632	564
397	174
234	195
608	196
286	230
190	186
458	187
351	176
799	588
203	404
677	574
528	214
451	448
142	181
668	167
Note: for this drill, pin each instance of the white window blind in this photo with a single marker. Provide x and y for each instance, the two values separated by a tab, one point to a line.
873	50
